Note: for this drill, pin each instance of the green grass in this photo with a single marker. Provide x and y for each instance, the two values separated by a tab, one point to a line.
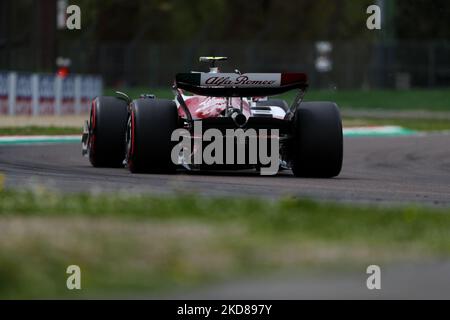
38	130
431	100
141	244
429	125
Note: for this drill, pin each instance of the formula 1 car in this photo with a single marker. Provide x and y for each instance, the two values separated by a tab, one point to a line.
140	134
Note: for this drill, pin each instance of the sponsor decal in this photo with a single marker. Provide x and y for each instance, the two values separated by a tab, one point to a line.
241	80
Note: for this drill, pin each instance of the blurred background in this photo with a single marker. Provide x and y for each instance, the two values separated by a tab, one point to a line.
145	42
147	236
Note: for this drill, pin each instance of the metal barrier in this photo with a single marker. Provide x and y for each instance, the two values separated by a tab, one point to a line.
46	94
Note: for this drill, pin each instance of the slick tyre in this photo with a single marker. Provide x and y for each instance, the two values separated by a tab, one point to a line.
108	122
317	146
150	128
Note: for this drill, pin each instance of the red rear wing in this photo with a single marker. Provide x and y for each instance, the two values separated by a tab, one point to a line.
240	85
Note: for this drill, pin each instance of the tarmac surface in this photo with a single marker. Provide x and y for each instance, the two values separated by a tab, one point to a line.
408	169
383	170
409	281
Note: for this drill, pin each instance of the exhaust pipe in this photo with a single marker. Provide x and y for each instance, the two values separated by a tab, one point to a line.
239	119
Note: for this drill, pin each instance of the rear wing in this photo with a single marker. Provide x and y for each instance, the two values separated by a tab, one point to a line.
240	85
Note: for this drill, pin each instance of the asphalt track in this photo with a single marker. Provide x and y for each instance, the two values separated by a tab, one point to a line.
410	281
376	170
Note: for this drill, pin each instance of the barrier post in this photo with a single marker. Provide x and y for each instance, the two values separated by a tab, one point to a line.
12	86
35	93
78	94
58	95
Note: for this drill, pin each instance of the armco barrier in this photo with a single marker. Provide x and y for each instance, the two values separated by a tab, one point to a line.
47	94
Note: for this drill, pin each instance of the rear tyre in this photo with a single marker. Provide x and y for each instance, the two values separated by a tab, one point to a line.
108	121
317	147
151	124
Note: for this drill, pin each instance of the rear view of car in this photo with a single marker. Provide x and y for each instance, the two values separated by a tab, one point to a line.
152	135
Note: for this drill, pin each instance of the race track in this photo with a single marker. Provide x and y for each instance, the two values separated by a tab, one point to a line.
376	170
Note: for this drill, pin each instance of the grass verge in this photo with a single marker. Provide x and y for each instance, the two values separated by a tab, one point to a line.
39	130
428	125
413	124
140	244
430	100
